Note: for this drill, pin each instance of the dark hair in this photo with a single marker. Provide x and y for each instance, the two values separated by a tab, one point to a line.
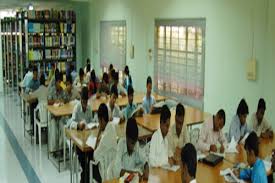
189	158
114	90
164	114
115	76
130	90
72	67
149	80
42	79
88	68
111	67
85	93
34	69
261	104
126	70
242	108
180	110
113	73
69	78
81	72
105	77
88	60
103	112
132	129
93	79
221	114
252	143
58	76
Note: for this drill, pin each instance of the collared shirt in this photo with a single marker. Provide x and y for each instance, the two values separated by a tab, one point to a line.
259	128
79	115
210	137
128	110
115	113
73	95
134	162
256	174
32	85
148	103
55	95
236	129
158	155
41	93
175	141
108	141
27	78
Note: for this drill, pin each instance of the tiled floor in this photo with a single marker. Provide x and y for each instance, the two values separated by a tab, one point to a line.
10	169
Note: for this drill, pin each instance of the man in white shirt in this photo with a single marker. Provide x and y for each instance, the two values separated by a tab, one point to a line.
149	100
158	155
106	139
258	122
189	164
28	77
113	108
211	135
42	92
178	135
70	91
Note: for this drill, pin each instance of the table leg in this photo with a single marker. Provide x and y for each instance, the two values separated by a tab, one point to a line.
70	154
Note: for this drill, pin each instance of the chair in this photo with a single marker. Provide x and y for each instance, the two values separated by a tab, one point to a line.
194	136
42	123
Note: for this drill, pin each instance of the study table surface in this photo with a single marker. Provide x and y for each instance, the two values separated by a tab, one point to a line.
192	116
204	174
79	138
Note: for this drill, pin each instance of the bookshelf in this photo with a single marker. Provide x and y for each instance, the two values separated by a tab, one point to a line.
40	38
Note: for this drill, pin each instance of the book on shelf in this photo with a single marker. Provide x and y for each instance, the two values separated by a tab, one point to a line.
36	41
35	27
35	55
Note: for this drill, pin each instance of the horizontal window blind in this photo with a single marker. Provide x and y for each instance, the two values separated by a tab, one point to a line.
179	59
113	43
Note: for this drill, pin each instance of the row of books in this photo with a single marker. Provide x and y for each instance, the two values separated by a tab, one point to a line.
52	14
60	28
35	27
35	41
59	41
35	55
58	53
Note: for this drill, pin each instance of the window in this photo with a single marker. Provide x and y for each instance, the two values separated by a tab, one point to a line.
179	59
113	44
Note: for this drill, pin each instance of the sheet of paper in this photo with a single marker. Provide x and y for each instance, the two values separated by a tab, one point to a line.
92	125
115	120
173	168
231	148
244	138
91	141
229	176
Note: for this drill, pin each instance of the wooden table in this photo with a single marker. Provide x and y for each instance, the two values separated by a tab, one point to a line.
192	117
205	174
60	111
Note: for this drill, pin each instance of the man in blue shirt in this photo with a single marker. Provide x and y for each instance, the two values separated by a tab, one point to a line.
34	82
148	100
238	127
257	172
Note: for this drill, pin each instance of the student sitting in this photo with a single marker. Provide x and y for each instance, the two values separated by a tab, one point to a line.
93	85
28	76
87	62
110	69
88	73
80	80
148	100
113	108
128	156
42	92
177	135
73	73
189	163
82	115
259	124
120	89
106	139
127	78
257	172
103	88
238	126
56	93
70	91
52	81
131	107
34	83
158	155
211	133
52	72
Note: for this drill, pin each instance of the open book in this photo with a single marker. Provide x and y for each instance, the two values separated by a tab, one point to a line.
157	107
92	125
91	141
173	168
229	176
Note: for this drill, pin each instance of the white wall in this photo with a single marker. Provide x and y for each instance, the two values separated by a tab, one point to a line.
228	43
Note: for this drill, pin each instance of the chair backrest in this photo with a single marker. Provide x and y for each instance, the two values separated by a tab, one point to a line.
43	113
105	162
194	136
